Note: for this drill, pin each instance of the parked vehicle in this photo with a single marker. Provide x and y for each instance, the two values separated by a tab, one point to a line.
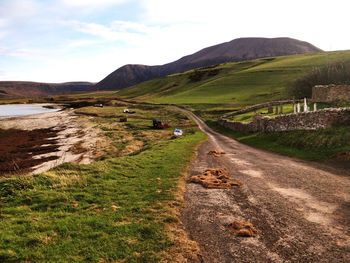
158	124
128	111
177	132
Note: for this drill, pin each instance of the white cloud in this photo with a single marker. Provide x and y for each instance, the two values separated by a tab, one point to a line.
2	34
3	22
17	9
126	26
81	43
125	31
94	29
92	3
21	52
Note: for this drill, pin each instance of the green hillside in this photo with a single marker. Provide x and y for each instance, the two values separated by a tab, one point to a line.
239	83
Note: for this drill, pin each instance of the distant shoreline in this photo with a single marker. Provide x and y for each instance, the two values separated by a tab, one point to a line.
21	110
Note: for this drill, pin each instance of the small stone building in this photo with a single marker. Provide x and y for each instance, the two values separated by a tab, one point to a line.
331	93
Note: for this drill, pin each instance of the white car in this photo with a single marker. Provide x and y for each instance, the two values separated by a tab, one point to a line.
177	132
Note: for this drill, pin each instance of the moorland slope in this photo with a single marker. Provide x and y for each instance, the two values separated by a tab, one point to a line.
236	50
235	83
9	89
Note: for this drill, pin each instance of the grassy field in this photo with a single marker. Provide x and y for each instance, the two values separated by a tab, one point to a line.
119	209
248	116
235	84
136	134
316	145
287	108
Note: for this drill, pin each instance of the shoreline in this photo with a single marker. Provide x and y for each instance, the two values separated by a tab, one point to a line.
75	139
50	107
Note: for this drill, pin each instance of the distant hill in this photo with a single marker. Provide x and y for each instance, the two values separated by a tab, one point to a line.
236	50
234	83
9	89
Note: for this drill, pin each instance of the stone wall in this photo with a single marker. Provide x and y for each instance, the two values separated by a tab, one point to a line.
288	122
331	93
259	106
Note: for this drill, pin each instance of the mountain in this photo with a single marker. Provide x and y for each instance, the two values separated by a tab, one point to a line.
10	89
236	83
236	50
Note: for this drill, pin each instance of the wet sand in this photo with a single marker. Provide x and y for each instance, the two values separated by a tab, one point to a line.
20	147
37	143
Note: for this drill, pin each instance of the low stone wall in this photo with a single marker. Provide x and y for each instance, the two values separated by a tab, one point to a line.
259	106
288	122
331	93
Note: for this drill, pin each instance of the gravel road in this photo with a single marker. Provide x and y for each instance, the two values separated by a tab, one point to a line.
300	209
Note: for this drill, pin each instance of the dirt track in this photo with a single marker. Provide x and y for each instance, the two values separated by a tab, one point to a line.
301	210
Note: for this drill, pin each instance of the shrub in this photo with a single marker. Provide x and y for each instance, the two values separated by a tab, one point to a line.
198	75
336	73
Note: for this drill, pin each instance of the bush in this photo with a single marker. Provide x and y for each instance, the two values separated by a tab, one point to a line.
337	73
198	75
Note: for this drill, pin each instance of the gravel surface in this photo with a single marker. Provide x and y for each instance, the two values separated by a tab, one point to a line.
301	210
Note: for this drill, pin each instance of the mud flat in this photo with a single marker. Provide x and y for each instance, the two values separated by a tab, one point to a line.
37	143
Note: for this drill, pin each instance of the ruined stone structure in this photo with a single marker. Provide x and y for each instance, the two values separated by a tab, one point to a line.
331	93
302	121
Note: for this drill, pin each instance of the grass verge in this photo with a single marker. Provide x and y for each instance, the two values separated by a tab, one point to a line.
114	210
316	145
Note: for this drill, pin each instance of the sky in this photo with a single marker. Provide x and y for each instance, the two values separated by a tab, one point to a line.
85	40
